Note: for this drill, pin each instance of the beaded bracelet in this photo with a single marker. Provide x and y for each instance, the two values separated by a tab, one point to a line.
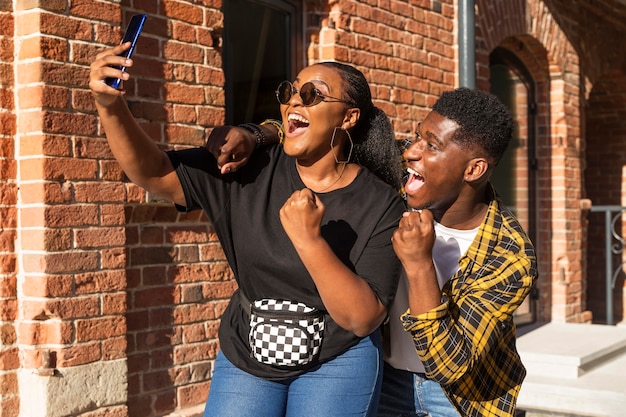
256	131
279	126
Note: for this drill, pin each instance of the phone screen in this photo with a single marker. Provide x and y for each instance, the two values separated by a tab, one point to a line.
132	34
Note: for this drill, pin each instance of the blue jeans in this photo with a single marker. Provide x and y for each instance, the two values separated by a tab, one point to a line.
346	386
408	394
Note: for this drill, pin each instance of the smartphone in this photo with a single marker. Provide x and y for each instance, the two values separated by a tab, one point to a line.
132	34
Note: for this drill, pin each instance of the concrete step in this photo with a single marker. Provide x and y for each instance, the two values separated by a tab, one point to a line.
574	369
569	350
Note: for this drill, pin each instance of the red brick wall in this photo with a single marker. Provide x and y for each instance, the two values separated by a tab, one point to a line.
106	273
407	51
9	360
177	280
178	286
528	29
71	214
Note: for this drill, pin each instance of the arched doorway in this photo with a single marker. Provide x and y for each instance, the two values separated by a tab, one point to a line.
515	176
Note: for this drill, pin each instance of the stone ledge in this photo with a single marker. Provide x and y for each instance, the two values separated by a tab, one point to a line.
587	378
569	350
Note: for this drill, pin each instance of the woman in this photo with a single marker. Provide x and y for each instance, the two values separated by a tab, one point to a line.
303	226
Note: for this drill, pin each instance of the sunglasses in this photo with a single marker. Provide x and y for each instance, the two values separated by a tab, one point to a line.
309	94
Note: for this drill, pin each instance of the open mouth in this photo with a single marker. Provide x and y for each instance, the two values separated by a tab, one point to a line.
296	122
414	181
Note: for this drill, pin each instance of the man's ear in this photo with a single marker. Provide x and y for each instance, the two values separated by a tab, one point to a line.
351	118
476	169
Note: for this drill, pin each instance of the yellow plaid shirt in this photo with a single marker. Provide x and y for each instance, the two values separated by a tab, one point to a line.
467	344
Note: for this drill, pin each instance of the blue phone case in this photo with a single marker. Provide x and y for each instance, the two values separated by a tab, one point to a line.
132	34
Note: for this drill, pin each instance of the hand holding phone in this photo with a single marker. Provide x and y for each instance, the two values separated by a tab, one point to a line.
132	35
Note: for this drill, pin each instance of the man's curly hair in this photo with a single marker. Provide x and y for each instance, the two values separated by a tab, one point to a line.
483	120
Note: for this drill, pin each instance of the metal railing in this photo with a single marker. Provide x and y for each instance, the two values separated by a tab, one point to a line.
614	245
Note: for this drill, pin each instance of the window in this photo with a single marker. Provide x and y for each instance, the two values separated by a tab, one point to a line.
514	177
262	47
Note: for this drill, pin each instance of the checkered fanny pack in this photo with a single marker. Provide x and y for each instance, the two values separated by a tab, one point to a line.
285	333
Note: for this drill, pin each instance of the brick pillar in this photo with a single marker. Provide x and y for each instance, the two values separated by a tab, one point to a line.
71	324
9	361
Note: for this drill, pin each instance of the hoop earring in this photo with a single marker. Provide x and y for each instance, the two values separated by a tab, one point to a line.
332	146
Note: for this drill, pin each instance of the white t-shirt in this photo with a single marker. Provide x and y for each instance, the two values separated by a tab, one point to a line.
450	244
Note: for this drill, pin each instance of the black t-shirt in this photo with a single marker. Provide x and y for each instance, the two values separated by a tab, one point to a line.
244	207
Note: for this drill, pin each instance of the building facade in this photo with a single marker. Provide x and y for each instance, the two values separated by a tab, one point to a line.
110	300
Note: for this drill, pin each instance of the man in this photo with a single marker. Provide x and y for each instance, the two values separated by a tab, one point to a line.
468	265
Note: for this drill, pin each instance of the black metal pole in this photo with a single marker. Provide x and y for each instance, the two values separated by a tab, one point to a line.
467	49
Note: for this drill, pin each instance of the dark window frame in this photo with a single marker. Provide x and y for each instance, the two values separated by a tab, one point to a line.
294	53
502	56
